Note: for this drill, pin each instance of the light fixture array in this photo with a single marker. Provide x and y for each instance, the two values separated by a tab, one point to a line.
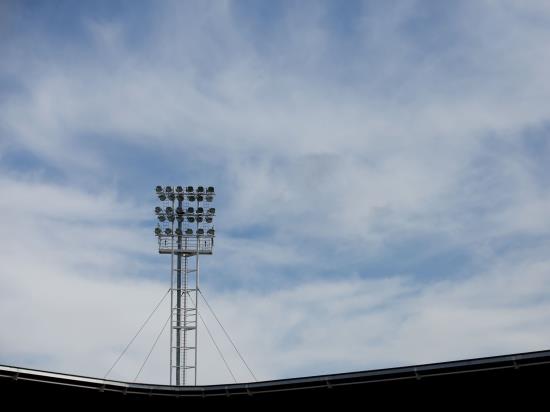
194	215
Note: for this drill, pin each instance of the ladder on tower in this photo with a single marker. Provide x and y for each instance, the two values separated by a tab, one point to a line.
184	319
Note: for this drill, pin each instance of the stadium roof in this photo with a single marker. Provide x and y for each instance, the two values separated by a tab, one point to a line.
497	374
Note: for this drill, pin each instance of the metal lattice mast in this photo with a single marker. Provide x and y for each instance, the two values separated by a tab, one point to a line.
184	231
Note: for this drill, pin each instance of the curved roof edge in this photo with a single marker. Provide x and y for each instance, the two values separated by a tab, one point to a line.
513	361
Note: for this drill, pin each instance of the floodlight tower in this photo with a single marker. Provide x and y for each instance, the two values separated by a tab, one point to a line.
184	231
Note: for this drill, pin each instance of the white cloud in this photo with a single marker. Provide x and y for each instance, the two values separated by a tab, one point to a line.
58	315
339	325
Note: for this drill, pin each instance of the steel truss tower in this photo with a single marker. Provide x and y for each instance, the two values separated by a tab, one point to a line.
184	232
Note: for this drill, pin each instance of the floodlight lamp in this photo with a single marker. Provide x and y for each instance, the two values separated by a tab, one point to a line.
158	231
189	189
188	231
179	232
208	219
168	189
158	189
212	210
200	210
171	218
191	198
200	198
168	231
200	189
169	210
158	210
179	210
209	189
211	232
199	219
190	219
171	196
200	232
209	198
179	189
190	210
162	197
162	218
179	219
180	197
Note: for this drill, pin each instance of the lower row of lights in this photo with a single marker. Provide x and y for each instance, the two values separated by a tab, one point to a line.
186	232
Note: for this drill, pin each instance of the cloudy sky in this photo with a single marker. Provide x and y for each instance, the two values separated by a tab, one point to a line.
381	169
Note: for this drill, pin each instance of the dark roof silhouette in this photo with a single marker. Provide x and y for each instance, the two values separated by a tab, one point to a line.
497	379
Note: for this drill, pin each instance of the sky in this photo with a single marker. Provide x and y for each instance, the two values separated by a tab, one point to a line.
381	171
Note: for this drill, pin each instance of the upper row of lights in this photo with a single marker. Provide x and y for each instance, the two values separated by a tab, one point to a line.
199	194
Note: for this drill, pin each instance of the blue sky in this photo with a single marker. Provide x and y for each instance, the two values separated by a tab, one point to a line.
381	170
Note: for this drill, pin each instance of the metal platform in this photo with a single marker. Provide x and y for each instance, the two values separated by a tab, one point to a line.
189	245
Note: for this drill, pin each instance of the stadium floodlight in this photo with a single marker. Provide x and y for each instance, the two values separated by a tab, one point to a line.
212	210
184	231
